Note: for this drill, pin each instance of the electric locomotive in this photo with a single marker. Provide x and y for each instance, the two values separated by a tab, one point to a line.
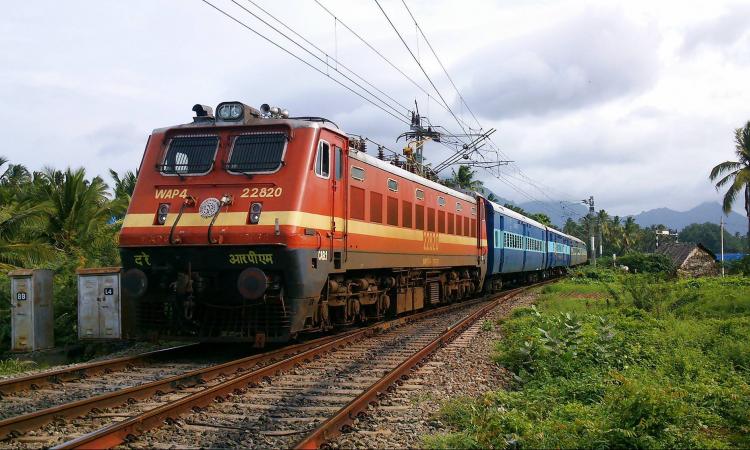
253	225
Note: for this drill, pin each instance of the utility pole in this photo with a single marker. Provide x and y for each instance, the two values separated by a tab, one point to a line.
722	245
592	247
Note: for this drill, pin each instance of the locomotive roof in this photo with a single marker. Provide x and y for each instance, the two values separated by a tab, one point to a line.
388	167
292	123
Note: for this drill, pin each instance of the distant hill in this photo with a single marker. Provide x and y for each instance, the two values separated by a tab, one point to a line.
705	212
676	220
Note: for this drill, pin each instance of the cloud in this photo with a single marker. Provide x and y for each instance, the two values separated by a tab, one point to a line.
720	32
115	139
585	60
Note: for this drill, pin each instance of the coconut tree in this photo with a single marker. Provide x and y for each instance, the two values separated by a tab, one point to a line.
629	233
736	174
20	223
615	233
464	179
123	190
20	228
602	219
79	206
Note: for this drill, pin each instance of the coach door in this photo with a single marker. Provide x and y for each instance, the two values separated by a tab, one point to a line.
338	200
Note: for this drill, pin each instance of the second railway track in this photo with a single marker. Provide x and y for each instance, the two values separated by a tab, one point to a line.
302	394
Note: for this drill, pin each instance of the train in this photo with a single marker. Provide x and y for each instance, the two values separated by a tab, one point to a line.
251	225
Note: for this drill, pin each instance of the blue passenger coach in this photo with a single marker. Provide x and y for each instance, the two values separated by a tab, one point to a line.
522	249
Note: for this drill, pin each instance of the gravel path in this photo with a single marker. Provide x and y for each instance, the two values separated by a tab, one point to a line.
463	368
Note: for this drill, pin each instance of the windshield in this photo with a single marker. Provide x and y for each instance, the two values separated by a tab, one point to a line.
190	155
257	153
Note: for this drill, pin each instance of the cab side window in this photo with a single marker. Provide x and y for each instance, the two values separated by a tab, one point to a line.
338	162
323	160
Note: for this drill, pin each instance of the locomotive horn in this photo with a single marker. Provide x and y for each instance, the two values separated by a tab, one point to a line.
265	108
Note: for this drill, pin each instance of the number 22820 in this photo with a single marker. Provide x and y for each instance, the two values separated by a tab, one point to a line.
261	192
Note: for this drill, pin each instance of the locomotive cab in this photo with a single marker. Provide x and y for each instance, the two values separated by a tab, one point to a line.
229	214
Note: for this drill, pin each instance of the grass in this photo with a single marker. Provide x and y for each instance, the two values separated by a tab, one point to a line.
607	360
13	366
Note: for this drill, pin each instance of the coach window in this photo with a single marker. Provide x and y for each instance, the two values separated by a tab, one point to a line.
357	202
473	210
376	207
392	185
406	214
391	208
358	173
419	217
458	207
441	201
420	194
323	161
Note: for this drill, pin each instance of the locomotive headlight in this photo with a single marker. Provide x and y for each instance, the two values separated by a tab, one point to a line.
161	213
230	111
255	209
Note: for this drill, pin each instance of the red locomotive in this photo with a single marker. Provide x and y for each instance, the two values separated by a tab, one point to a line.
255	226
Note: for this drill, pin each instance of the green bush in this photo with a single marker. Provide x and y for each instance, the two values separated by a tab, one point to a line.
646	263
739	267
662	369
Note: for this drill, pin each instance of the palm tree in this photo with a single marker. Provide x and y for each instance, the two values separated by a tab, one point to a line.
737	174
541	218
79	206
629	234
20	226
464	179
603	224
124	187
615	233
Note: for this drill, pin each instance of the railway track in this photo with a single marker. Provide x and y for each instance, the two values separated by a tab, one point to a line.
46	389
309	391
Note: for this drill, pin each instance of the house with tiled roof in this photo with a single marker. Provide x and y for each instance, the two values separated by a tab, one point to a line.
690	260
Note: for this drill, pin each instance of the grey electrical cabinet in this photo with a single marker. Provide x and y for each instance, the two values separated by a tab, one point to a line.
32	320
99	303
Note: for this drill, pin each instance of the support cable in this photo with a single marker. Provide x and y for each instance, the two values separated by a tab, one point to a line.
307	63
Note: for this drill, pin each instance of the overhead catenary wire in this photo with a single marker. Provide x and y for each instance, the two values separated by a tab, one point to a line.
401	38
381	55
457	155
309	64
434	53
373	99
313	54
334	58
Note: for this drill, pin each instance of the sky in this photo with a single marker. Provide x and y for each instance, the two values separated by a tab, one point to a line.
630	101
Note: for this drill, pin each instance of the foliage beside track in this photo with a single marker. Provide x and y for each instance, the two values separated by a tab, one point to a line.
59	220
608	360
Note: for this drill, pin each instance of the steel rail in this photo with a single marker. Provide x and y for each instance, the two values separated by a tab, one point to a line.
119	432
37	380
14	426
346	415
